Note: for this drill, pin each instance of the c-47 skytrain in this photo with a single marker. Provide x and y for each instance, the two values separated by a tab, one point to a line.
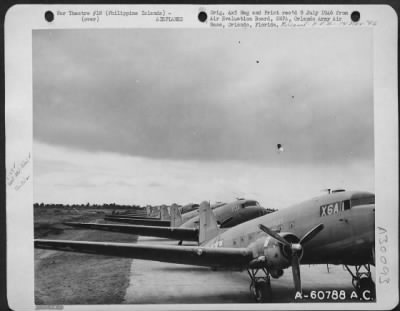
336	228
183	227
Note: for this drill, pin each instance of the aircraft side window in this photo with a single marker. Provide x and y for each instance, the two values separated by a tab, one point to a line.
250	203
346	204
363	201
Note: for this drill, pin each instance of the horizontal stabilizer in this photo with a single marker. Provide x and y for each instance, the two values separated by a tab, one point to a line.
180	234
232	258
143	222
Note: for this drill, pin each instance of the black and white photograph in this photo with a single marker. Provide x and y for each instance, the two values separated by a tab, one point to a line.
197	166
269	133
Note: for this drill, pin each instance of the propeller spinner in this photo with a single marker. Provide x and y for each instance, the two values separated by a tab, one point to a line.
295	249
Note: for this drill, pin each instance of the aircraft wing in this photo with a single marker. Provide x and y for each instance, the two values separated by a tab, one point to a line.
148	222
233	258
180	234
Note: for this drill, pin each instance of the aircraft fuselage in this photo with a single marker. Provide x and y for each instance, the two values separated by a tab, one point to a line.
347	238
231	214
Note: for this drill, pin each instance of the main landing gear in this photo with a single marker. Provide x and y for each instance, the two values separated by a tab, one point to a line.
362	282
260	286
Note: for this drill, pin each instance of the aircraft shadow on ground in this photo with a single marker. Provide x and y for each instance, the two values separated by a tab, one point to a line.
184	268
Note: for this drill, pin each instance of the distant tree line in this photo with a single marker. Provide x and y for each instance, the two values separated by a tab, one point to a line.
88	205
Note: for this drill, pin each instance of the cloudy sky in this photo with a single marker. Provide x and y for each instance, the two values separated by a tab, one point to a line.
151	116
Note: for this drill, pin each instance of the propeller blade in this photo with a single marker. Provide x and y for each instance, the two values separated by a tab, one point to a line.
311	234
296	272
273	234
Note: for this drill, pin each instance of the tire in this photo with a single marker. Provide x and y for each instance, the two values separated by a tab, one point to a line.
263	291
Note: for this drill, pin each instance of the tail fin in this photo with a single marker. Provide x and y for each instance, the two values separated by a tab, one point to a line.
164	213
176	217
208	224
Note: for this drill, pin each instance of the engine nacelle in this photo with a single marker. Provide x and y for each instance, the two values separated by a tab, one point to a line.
275	255
276	273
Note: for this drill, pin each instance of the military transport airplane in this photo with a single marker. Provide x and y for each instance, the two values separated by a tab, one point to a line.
188	208
187	228
336	228
164	218
162	211
189	211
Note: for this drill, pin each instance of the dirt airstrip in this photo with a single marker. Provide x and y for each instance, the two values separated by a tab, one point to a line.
70	278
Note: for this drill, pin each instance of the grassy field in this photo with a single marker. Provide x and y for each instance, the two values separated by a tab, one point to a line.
71	278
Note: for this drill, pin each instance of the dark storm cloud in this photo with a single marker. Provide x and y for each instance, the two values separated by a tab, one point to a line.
181	94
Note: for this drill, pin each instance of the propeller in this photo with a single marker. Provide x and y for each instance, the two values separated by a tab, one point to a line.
275	235
311	234
295	249
296	272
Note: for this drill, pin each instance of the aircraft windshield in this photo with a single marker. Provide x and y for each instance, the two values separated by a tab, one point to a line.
250	203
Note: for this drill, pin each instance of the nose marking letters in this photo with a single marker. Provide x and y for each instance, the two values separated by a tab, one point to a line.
331	209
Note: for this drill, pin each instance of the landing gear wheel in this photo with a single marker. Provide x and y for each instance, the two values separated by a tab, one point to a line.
260	286
366	288
362	282
253	290
263	291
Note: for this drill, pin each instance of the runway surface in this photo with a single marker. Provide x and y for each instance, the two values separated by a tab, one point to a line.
153	282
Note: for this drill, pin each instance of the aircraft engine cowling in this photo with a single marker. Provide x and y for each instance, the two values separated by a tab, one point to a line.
277	256
276	273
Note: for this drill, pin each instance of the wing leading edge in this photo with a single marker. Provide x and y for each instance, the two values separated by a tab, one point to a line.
180	234
148	222
232	258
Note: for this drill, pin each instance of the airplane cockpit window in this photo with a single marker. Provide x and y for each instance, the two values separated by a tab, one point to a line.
363	201
250	203
346	204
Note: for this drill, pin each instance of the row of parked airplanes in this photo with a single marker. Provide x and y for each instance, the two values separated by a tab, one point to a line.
335	228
